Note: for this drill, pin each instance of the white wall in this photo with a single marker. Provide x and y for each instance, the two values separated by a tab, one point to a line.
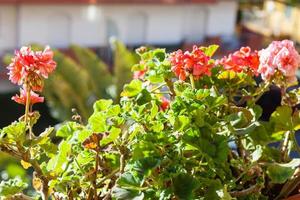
88	25
8	37
221	20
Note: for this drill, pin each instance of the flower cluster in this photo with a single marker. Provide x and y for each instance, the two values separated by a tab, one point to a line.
28	68
186	63
243	60
279	56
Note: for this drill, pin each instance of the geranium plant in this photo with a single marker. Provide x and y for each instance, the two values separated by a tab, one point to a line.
187	127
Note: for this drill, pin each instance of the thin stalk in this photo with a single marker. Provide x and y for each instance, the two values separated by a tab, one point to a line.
240	148
95	175
264	89
171	88
158	87
27	107
122	162
253	189
284	147
109	176
192	81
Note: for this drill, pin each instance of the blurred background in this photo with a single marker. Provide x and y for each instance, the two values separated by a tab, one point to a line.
95	41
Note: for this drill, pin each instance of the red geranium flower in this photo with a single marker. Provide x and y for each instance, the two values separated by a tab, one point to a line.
165	104
195	63
241	61
21	99
31	67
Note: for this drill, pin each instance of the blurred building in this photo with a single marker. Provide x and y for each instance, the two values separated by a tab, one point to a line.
92	22
276	18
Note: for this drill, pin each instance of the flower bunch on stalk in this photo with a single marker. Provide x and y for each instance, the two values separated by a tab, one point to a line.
280	57
195	63
243	60
29	69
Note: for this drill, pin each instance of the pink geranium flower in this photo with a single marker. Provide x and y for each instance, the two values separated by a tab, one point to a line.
31	67
21	99
279	56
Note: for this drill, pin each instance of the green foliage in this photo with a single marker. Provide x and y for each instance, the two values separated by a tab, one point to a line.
165	139
11	187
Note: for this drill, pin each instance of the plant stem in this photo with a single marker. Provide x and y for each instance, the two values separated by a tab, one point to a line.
171	88
192	81
284	147
158	87
253	189
264	89
95	175
109	176
240	147
27	108
122	163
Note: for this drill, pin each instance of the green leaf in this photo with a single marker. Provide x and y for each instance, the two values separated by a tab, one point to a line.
128	187
160	54
98	122
132	89
144	165
83	135
126	194
213	190
279	174
113	135
210	50
157	126
143	97
16	131
256	111
67	129
102	105
129	180
184	185
135	129
282	119
57	163
113	110
181	122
